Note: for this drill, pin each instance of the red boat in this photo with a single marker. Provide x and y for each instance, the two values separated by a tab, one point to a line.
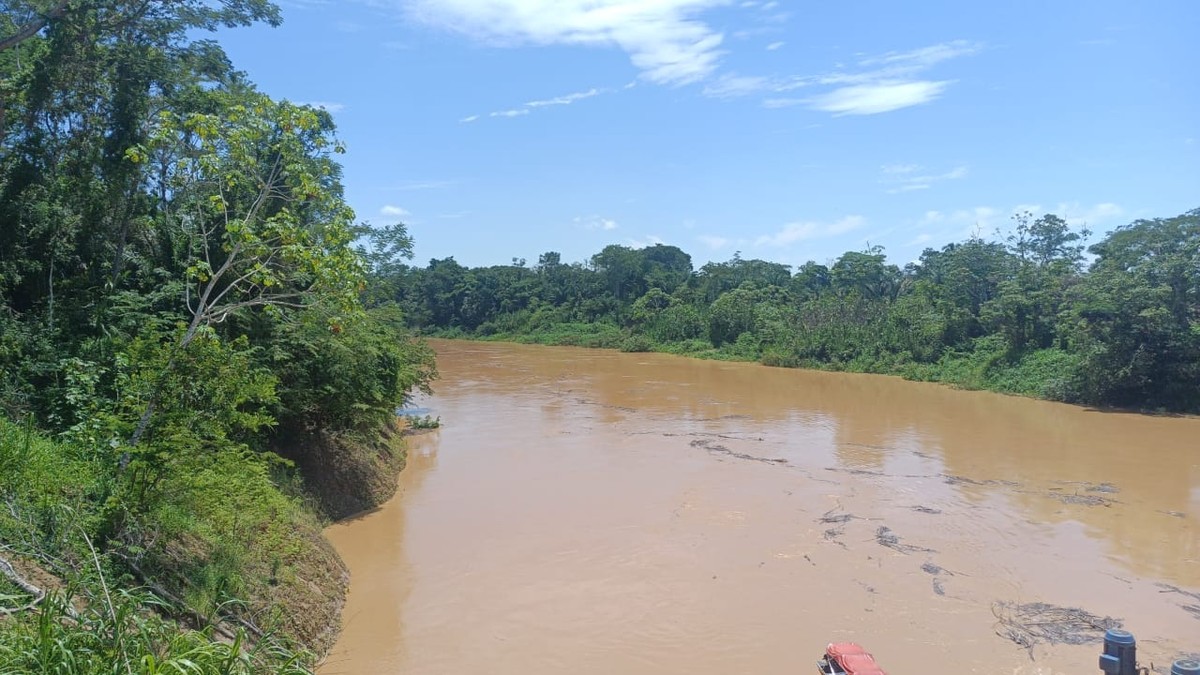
848	658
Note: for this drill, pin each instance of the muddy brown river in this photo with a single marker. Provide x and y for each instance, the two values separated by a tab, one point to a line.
586	511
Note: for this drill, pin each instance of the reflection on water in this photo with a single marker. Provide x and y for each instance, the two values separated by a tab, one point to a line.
587	511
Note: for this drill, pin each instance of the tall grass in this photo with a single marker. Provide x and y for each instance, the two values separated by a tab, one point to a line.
127	635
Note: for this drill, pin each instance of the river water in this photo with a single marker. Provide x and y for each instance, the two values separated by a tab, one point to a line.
586	511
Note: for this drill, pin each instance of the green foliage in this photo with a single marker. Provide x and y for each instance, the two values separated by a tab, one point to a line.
178	286
349	376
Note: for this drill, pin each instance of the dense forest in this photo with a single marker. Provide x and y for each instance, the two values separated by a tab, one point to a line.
1035	312
192	371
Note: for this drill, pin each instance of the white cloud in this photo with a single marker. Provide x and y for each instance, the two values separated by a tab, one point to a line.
530	106
665	39
328	106
775	45
564	100
874	85
801	231
924	57
1079	215
515	112
596	223
713	242
783	102
648	240
392	211
904	177
734	86
879	97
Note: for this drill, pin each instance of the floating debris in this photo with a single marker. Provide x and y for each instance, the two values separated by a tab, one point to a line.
963	480
1174	514
1194	610
885	537
717	449
930	568
831	518
1104	487
1083	500
926	509
856	472
1034	623
938	588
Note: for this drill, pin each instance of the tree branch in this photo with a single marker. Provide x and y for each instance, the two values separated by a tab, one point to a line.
33	27
38	594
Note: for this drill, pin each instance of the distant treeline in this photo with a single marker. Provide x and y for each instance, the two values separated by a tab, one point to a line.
1031	314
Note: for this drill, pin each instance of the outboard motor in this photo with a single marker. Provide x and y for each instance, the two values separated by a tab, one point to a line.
1120	653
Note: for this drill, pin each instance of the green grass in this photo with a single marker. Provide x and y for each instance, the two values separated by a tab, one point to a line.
219	531
122	632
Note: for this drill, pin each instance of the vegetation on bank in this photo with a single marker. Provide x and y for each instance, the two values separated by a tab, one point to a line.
1031	314
187	325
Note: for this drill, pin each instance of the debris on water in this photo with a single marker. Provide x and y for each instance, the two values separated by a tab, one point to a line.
1083	500
855	472
1174	514
1034	623
832	535
1104	487
716	449
1194	610
831	518
926	509
930	568
963	480
885	537
938	588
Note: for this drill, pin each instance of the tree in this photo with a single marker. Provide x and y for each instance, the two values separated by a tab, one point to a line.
255	192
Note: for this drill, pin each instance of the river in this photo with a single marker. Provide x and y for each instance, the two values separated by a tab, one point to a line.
586	511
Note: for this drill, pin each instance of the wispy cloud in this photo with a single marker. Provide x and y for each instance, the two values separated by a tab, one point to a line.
910	177
666	39
775	45
564	100
875	84
328	106
596	223
713	242
648	240
878	97
805	230
514	112
392	211
729	85
530	106
988	221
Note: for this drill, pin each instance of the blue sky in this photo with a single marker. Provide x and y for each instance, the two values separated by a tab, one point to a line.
787	131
